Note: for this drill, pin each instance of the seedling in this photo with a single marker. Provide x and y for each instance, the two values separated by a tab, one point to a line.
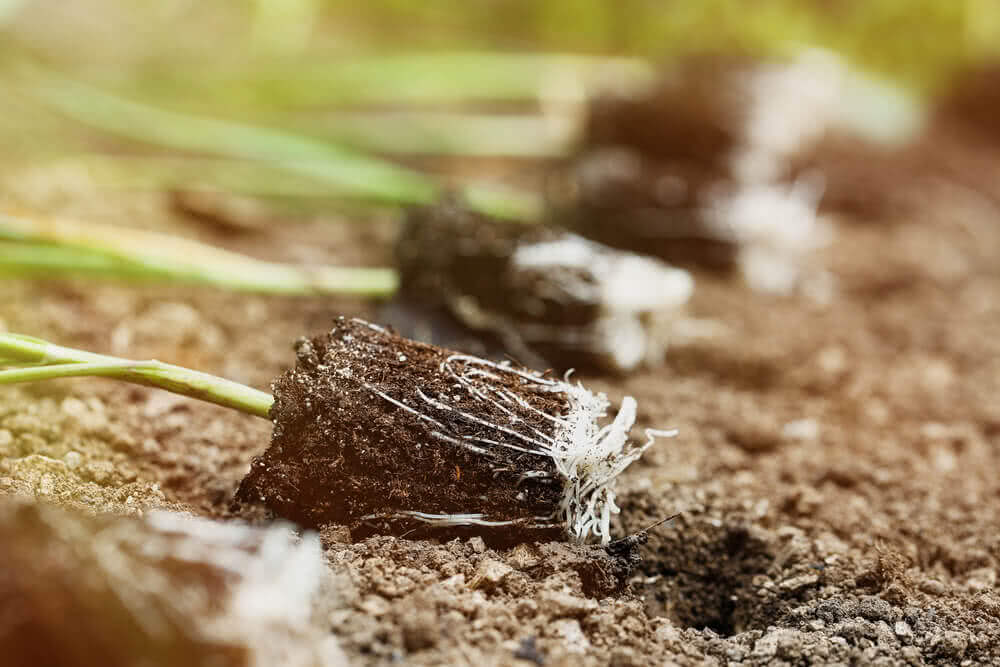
385	434
547	295
377	431
691	172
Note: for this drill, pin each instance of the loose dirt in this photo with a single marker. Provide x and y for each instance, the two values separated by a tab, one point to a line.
835	469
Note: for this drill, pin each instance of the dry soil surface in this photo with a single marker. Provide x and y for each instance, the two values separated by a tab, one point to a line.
835	472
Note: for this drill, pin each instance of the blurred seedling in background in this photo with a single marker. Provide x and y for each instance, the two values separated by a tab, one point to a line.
546	295
697	168
692	167
385	434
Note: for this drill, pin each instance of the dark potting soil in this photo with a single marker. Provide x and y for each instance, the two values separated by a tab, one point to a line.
542	295
459	262
370	426
694	113
970	104
647	163
633	202
447	251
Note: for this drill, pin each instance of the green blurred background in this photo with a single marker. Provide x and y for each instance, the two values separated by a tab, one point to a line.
916	41
296	66
318	107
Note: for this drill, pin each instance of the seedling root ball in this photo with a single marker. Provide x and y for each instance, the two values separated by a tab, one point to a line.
388	435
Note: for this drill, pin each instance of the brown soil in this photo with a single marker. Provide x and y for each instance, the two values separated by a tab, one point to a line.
835	469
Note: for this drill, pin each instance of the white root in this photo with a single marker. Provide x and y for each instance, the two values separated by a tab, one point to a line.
587	457
455	519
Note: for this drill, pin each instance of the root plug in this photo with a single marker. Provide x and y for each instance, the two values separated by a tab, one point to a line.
165	590
387	435
548	296
695	170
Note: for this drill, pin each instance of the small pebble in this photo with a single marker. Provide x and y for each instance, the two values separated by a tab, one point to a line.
73	459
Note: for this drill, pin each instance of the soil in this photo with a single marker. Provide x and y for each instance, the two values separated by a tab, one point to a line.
624	198
835	471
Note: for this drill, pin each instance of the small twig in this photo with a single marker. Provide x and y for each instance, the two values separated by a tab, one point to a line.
659	523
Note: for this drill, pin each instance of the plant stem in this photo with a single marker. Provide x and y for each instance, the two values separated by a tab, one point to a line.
49	361
44	260
45	246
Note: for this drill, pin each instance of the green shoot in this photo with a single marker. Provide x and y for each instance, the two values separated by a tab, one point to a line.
34	359
33	246
37	259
